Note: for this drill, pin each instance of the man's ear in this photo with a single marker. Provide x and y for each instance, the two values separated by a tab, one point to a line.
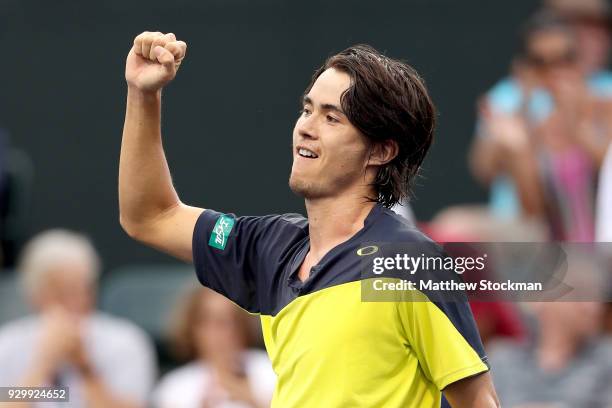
383	152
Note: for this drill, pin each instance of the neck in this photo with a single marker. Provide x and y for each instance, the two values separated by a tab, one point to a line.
333	220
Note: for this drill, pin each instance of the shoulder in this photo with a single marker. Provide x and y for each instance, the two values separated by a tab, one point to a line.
394	235
194	372
504	86
118	325
392	227
253	224
112	330
505	96
600	84
260	374
22	327
15	332
181	386
291	221
257	361
273	233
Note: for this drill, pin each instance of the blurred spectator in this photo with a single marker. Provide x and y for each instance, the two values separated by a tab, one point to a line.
502	134
590	21
465	223
567	145
105	361
567	363
475	223
543	133
214	333
497	320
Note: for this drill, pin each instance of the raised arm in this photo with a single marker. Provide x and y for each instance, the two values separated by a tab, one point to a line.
150	209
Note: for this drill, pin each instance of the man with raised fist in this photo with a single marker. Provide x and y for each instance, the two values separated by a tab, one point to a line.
366	125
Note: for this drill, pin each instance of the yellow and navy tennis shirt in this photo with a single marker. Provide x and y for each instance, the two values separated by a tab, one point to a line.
327	346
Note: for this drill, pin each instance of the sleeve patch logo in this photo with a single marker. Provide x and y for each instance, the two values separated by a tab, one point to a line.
219	235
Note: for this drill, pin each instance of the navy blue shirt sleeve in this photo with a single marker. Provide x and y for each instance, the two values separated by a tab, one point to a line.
239	257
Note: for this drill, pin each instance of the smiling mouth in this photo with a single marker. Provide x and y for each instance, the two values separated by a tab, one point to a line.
308	154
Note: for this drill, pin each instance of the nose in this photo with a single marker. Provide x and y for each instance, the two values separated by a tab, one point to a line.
307	128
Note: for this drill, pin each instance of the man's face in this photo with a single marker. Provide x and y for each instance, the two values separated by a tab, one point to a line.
329	154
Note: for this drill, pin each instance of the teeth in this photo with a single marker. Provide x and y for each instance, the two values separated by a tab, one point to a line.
306	153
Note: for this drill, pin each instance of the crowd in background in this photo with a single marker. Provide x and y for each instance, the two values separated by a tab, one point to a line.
543	131
541	148
106	361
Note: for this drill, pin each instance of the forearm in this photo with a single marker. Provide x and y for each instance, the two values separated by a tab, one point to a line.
594	137
145	184
522	166
483	160
587	130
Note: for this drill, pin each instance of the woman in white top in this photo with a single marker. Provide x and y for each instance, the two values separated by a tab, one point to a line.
213	333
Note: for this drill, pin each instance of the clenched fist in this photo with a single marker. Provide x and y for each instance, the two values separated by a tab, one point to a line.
153	60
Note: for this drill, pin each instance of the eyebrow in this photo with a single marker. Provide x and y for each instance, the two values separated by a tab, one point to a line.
326	106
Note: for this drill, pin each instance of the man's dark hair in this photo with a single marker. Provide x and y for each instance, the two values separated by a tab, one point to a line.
387	99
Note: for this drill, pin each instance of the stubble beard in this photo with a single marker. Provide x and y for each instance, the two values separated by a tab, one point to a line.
304	188
313	188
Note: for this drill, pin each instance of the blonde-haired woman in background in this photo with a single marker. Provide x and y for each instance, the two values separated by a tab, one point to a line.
214	334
